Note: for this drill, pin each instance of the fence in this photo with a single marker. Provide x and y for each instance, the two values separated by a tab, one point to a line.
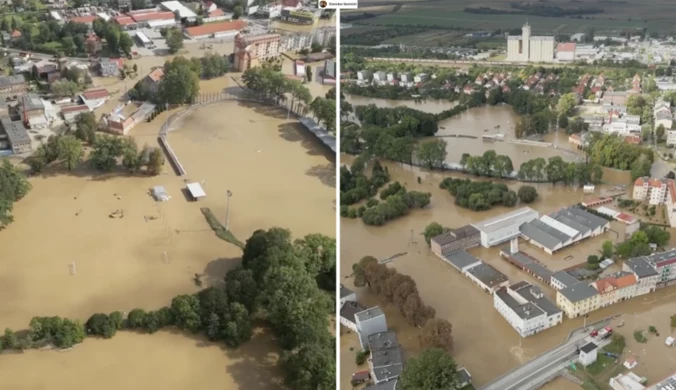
293	107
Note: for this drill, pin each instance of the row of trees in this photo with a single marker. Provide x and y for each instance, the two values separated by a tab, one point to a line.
489	164
611	151
13	187
479	195
393	288
397	201
277	281
68	150
639	242
355	185
181	79
556	170
116	39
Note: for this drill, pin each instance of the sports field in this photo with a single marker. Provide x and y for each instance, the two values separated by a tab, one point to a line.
655	15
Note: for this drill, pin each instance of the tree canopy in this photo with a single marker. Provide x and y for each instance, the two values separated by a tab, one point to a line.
431	369
13	186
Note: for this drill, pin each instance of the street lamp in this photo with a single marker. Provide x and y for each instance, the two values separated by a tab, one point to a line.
227	210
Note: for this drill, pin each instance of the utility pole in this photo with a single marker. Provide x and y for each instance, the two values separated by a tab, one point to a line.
227	210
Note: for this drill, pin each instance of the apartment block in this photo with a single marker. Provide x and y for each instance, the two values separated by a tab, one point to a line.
650	189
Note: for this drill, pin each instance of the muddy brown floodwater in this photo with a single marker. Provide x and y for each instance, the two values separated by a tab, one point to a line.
480	334
479	121
130	360
431	106
278	174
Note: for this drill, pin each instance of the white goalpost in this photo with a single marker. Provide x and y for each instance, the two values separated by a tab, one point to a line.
72	269
165	258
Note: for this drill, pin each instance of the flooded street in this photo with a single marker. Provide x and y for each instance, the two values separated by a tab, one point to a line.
273	168
479	331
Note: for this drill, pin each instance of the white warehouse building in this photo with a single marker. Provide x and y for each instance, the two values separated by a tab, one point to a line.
496	230
526	309
528	48
563	228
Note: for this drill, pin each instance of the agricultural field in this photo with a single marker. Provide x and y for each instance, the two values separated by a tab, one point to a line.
375	9
432	38
655	15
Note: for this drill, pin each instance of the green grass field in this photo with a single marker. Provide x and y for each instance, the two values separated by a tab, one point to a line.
437	16
655	15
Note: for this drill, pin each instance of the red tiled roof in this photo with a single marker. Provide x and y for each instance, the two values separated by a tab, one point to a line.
613	283
216	12
657	183
16	34
639	182
93	38
156	75
632	139
84	19
124	20
96	93
625	218
156	15
672	189
568	46
69	109
665	262
290	3
214	28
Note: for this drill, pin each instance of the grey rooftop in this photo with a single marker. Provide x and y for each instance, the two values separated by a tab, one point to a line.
369	314
578	292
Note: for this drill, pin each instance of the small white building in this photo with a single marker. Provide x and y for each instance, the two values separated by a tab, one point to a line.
421	78
526	309
391	77
364	75
380	77
406	77
671	137
588	354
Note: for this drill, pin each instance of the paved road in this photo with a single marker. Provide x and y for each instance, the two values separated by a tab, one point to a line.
531	374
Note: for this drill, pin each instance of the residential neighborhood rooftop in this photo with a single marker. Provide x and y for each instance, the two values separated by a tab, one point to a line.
383	340
525	311
389	385
578	292
369	314
7	81
344	291
662	259
16	131
641	267
461	259
214	28
565	278
350	309
488	275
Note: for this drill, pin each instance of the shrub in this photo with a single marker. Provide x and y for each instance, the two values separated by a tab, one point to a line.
640	337
361	356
